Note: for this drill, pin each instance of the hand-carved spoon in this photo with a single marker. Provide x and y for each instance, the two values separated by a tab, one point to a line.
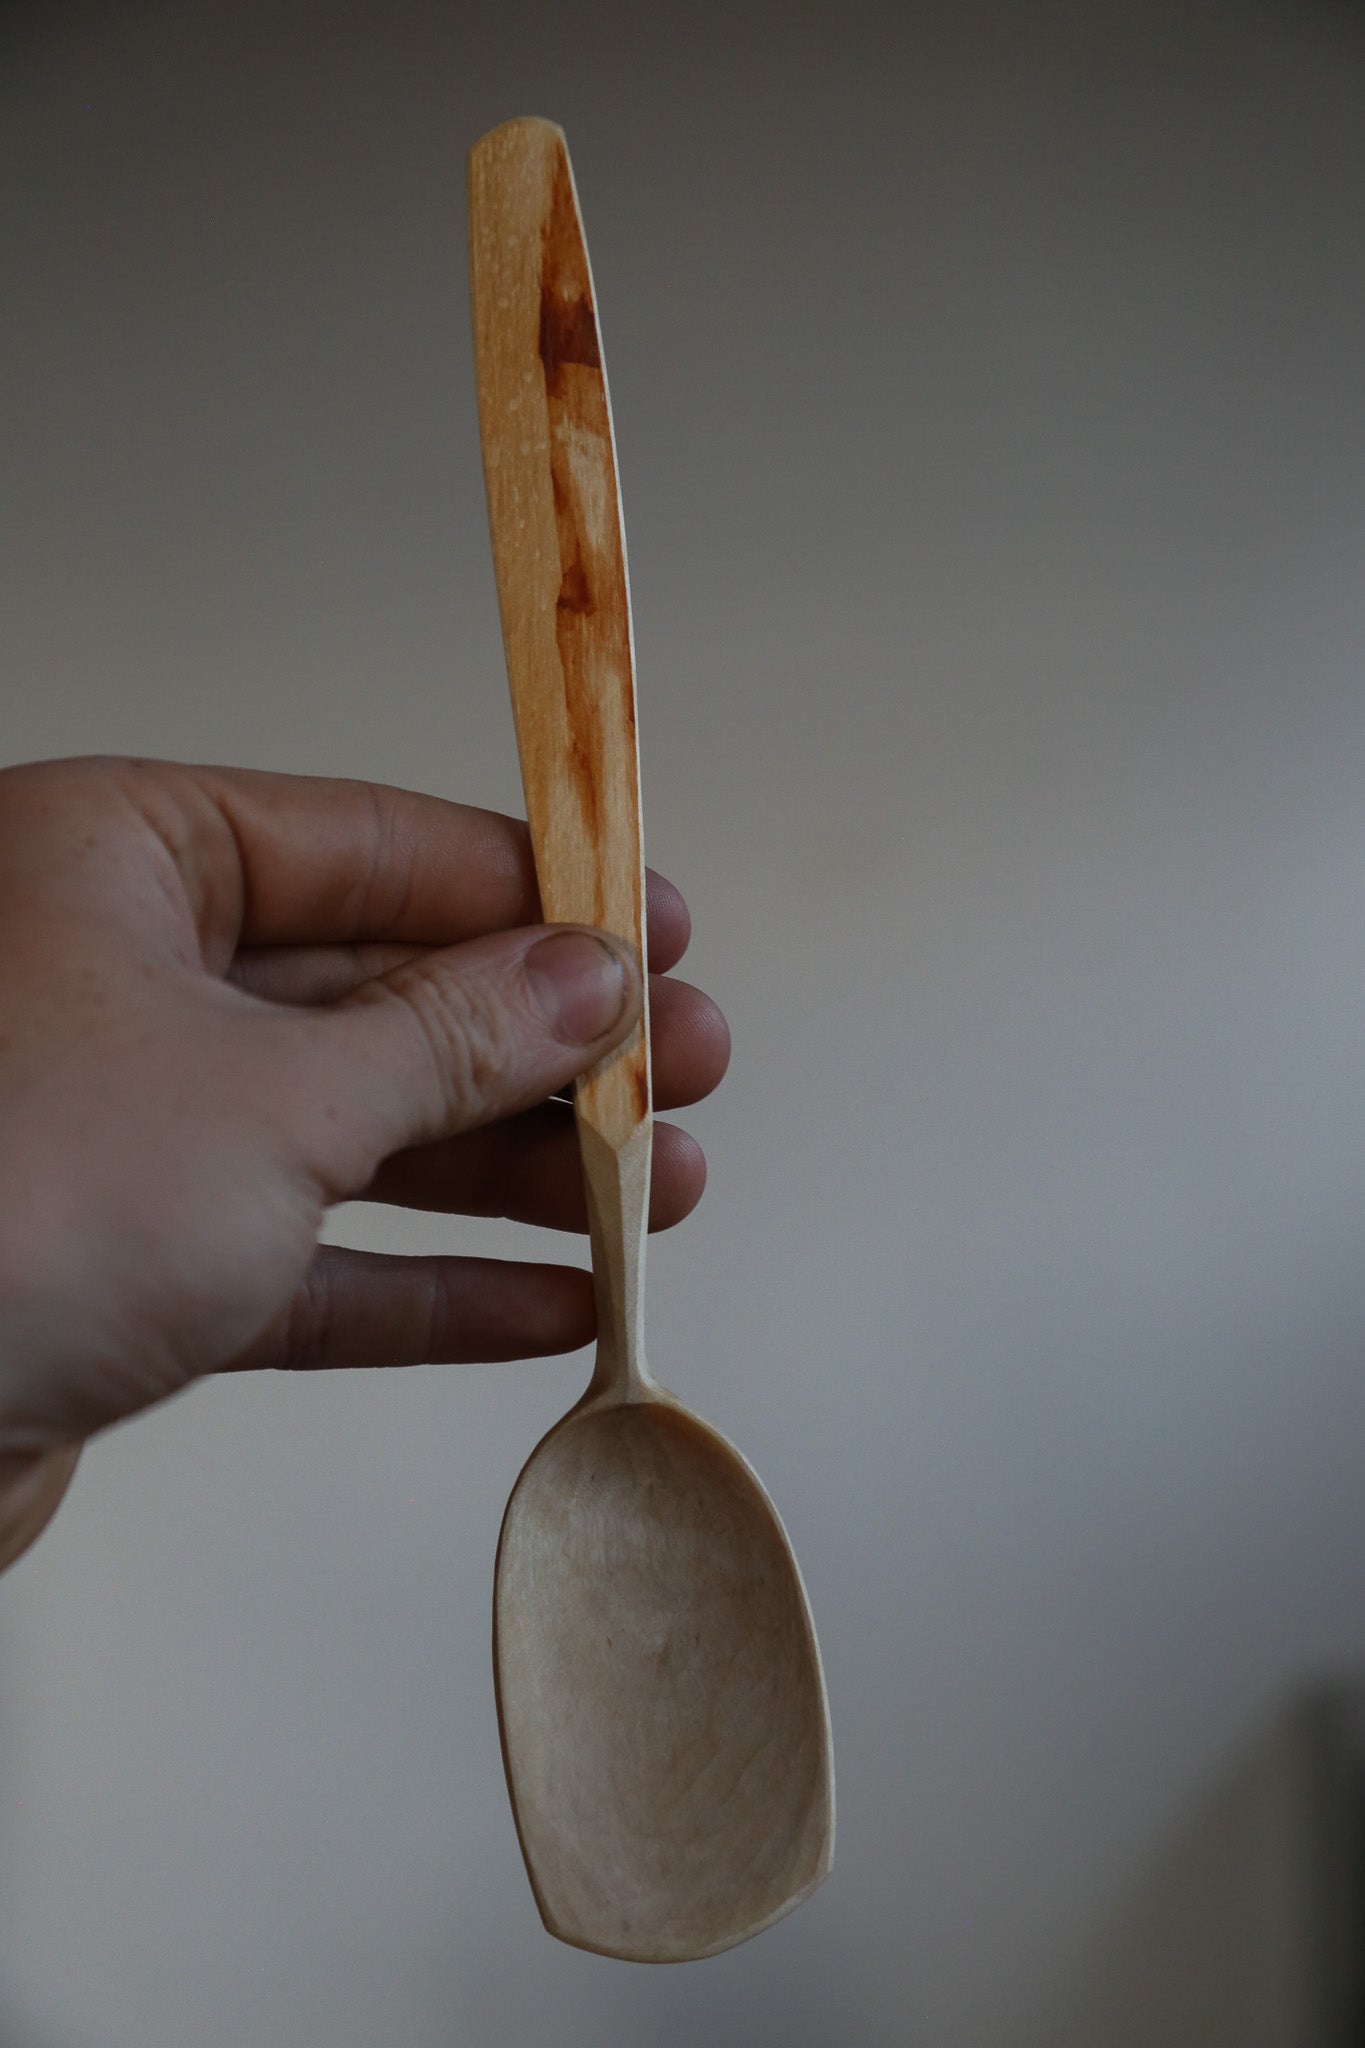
663	1713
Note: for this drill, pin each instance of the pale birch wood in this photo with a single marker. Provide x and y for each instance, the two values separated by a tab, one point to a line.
660	1697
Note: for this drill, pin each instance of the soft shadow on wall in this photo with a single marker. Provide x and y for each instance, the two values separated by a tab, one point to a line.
1246	1929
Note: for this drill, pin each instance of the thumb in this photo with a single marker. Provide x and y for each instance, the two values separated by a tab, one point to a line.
464	1035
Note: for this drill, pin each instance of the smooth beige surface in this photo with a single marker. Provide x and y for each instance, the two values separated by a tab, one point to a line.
662	1707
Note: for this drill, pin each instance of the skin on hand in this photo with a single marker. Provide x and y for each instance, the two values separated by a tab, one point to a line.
232	1000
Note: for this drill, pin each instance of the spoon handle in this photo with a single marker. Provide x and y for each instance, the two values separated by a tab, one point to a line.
554	510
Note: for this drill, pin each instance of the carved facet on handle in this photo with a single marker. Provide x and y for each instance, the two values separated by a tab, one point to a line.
554	510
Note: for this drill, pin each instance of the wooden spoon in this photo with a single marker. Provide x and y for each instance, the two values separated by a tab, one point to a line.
663	1714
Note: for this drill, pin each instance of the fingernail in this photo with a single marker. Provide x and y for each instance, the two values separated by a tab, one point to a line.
578	984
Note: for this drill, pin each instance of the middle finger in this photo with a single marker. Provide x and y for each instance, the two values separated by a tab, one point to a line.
527	1168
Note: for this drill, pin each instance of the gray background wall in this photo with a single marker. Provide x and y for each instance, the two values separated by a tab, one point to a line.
992	431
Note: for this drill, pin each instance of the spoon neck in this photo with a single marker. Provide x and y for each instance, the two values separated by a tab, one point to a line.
616	1179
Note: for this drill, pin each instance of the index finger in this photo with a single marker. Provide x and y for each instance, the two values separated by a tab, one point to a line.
326	862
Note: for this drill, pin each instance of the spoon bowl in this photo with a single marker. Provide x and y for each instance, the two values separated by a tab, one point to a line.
660	1696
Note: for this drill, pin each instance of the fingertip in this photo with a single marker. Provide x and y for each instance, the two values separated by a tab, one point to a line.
561	1311
679	1177
691	1043
529	1311
713	1031
668	920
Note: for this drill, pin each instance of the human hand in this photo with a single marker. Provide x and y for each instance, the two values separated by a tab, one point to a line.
230	1000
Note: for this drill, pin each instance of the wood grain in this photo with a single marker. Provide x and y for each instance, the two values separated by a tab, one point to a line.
554	512
661	1702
